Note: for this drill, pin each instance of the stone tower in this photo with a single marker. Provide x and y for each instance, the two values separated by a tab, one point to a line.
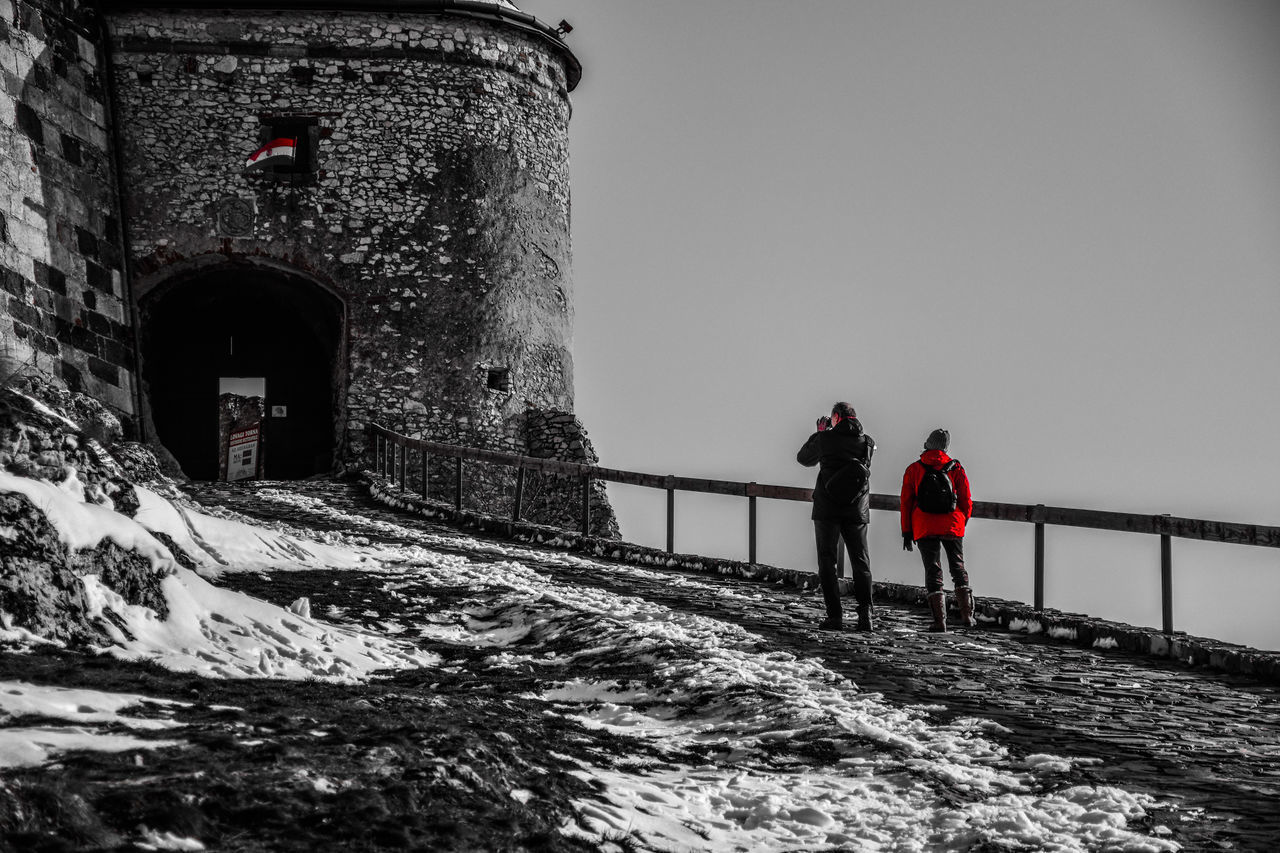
64	305
410	266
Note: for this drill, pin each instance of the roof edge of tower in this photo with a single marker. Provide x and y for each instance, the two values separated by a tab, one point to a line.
491	11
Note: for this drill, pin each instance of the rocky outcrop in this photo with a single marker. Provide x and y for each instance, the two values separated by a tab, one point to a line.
46	433
41	589
72	441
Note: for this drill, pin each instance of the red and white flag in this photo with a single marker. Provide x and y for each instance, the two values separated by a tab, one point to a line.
277	152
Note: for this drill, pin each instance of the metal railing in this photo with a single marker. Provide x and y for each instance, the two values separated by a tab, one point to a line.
391	452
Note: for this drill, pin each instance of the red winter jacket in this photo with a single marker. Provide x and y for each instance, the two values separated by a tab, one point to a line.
919	523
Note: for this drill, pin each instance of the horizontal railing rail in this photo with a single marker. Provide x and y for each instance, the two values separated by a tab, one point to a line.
391	454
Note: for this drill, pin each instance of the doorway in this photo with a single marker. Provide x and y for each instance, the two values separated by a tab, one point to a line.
241	412
238	322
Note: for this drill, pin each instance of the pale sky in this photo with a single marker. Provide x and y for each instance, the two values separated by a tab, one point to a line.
1051	227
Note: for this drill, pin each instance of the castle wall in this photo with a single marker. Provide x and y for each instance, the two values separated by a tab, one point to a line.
439	213
63	307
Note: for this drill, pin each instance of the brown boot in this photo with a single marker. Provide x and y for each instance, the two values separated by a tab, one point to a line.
938	604
964	600
864	618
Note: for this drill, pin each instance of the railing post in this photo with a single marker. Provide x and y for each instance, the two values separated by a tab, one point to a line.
751	529
519	496
377	452
671	514
586	504
1039	576
404	465
457	482
1166	582
425	475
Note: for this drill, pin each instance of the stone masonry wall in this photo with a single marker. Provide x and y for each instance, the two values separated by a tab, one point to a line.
439	212
63	309
553	500
549	498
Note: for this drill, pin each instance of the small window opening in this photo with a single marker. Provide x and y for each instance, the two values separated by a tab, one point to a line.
500	379
305	133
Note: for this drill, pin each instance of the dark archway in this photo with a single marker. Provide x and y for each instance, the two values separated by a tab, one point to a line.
244	322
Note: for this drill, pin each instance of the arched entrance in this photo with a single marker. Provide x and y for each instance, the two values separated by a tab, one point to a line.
244	326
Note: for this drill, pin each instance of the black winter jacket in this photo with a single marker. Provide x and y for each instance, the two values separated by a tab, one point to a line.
831	450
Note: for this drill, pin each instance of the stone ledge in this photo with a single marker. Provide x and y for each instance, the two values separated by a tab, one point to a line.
993	613
1092	632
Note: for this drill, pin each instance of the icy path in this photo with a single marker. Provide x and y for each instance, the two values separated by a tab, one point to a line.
709	716
738	747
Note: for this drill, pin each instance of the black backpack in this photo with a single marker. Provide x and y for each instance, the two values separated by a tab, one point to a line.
936	493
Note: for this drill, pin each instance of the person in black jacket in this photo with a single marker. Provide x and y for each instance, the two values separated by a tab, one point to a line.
841	508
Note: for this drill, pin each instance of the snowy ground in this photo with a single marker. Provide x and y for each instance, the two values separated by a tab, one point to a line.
732	746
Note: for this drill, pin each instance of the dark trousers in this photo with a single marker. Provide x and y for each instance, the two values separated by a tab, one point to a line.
827	535
931	554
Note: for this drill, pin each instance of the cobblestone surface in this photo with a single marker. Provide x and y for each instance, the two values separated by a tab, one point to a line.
1207	742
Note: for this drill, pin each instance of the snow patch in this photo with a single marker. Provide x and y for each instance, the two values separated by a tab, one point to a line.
88	710
152	840
83	525
22	747
210	630
224	544
225	634
18	698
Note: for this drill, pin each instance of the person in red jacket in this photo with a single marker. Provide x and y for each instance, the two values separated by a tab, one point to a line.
934	516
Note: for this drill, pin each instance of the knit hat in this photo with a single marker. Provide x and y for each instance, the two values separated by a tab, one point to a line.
939	439
844	410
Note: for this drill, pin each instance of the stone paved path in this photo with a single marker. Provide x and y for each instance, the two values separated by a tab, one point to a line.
1207	741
